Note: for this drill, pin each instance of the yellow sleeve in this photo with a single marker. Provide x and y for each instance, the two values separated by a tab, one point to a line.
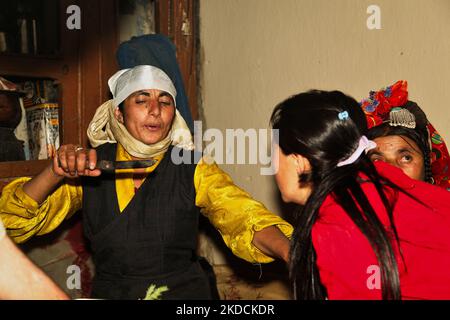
23	217
233	212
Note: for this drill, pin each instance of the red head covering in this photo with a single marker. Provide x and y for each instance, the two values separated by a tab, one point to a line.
377	107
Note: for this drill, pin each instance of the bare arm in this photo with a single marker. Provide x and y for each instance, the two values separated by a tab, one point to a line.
68	162
272	242
22	279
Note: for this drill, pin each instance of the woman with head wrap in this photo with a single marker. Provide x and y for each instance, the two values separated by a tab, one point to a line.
363	230
404	136
143	223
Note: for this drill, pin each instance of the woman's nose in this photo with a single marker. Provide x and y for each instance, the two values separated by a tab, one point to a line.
154	108
391	161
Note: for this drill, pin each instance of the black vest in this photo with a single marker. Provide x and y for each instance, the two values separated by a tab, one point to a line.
153	241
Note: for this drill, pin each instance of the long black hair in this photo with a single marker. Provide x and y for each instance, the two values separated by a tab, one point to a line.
309	125
419	135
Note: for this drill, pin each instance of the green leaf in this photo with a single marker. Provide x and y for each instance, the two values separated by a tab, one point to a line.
154	293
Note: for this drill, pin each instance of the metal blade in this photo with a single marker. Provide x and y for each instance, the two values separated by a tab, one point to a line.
106	165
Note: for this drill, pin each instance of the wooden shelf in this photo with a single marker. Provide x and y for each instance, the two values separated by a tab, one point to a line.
22	168
30	55
31	66
81	68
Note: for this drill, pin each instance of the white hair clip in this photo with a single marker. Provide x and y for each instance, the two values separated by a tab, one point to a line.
364	145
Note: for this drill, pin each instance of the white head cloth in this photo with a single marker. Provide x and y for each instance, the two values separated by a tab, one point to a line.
104	127
127	81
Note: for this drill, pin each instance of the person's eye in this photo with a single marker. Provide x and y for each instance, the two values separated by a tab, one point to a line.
141	101
165	102
407	158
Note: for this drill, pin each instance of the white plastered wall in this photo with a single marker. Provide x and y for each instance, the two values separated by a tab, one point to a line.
255	53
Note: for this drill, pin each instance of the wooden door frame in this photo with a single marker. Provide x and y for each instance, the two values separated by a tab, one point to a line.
178	19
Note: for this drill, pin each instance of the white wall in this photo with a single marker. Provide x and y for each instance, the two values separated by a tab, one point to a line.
255	53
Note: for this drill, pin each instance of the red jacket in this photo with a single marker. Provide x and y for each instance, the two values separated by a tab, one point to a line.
347	263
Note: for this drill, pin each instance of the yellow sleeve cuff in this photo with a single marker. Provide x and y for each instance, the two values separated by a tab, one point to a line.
256	254
21	197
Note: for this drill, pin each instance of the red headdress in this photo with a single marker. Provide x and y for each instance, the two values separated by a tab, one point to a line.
377	108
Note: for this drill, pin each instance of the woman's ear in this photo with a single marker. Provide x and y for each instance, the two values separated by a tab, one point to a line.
118	115
301	163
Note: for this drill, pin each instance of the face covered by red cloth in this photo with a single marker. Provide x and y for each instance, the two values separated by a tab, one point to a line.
377	108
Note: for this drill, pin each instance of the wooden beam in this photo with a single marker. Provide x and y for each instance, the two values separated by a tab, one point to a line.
178	19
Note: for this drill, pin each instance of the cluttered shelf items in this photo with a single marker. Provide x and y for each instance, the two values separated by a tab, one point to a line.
29	124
